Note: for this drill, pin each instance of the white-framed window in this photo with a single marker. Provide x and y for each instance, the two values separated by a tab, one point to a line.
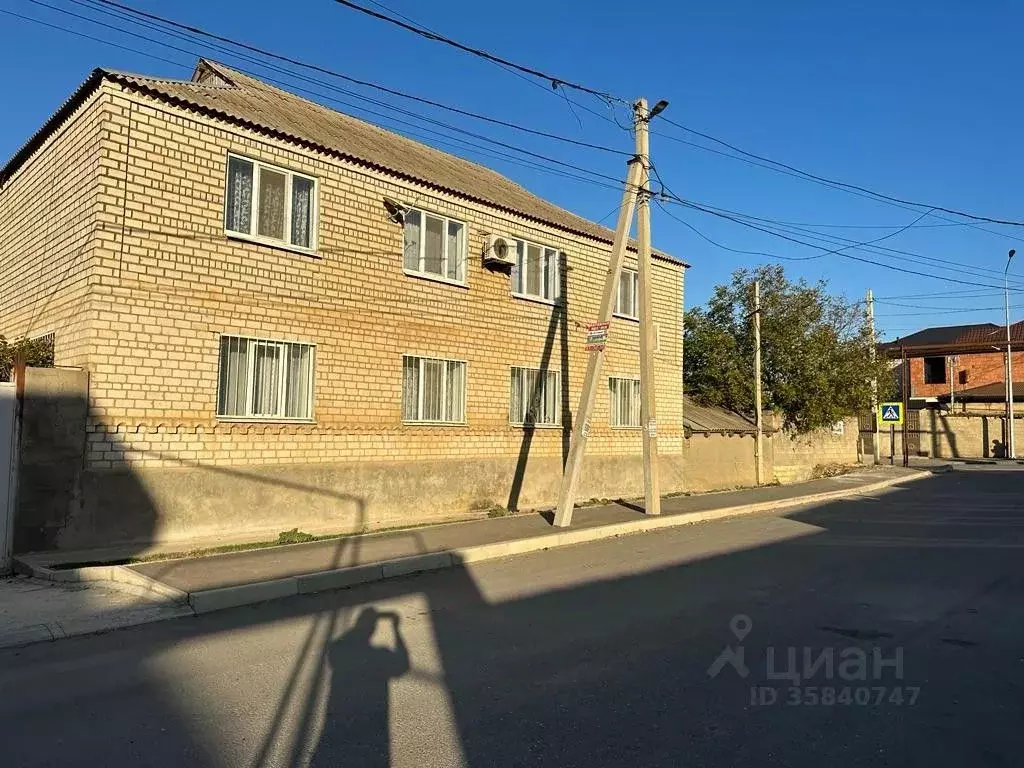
433	390
435	246
269	204
535	274
624	397
534	397
626	301
265	379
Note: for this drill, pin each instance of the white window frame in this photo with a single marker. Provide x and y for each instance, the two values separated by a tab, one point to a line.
250	381
519	278
314	215
444	389
634	277
612	408
547	372
445	256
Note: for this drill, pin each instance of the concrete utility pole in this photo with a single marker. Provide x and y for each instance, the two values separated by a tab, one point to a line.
636	196
874	382
906	406
648	407
581	424
758	461
1012	452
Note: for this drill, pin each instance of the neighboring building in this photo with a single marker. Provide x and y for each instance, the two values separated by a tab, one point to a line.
956	359
287	321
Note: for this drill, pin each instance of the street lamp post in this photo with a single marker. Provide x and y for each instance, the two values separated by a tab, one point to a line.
1011	452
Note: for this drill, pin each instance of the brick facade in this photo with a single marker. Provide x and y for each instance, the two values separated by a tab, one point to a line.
112	236
980	369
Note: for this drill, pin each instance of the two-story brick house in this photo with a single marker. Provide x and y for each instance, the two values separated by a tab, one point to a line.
287	320
957	362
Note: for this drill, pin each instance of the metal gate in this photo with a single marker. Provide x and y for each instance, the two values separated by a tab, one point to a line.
8	461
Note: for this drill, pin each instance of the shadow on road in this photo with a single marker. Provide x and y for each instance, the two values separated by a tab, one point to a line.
600	655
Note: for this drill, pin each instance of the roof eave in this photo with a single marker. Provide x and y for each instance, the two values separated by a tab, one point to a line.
48	128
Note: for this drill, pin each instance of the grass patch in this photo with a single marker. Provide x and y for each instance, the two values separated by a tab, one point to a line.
498	511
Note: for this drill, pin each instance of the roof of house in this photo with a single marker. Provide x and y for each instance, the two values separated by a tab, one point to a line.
994	392
706	418
227	94
951	339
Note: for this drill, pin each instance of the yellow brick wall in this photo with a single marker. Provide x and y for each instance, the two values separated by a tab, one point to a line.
164	294
49	217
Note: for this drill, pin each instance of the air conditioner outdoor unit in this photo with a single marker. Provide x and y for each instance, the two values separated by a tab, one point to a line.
501	251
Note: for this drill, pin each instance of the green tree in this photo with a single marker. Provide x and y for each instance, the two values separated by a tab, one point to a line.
35	352
816	350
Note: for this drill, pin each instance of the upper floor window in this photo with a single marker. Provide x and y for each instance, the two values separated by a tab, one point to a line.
435	246
536	271
270	204
265	379
626	301
935	370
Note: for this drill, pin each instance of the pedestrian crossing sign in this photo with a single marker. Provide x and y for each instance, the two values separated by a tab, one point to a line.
890	413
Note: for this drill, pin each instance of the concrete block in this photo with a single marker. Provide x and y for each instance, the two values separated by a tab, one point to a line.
481	552
210	600
429	562
339	578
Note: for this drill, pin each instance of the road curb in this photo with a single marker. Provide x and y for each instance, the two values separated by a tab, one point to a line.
117	576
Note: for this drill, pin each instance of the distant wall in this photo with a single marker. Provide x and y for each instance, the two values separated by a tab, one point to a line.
796	456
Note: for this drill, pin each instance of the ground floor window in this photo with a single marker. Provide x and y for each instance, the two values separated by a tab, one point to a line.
624	395
433	390
265	379
533	399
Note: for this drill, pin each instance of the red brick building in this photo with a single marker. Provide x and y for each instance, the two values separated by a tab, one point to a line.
960	359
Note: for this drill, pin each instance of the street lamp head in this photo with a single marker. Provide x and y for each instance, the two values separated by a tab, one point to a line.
1012	253
658	108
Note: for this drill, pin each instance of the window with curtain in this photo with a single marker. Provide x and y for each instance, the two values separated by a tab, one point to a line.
270	204
626	301
624	397
433	390
536	272
265	379
534	397
435	246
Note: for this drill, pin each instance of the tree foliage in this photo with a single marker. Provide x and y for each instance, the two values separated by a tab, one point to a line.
816	350
35	352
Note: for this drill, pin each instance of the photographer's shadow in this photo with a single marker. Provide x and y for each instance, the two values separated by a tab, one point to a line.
356	725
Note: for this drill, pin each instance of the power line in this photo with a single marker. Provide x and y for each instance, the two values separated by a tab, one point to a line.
556	82
126	9
835	239
843	184
843	255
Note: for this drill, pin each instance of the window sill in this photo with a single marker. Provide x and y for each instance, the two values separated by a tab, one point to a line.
433	423
631	318
435	278
535	299
271	243
637	428
263	420
535	426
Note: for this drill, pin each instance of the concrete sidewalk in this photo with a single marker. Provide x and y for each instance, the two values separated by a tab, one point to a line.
222	581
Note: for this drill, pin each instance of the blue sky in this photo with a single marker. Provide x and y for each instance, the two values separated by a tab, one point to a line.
914	99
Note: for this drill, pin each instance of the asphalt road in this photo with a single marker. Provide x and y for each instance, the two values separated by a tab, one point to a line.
602	654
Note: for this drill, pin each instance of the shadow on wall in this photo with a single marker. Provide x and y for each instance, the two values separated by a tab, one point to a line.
558	328
62	503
